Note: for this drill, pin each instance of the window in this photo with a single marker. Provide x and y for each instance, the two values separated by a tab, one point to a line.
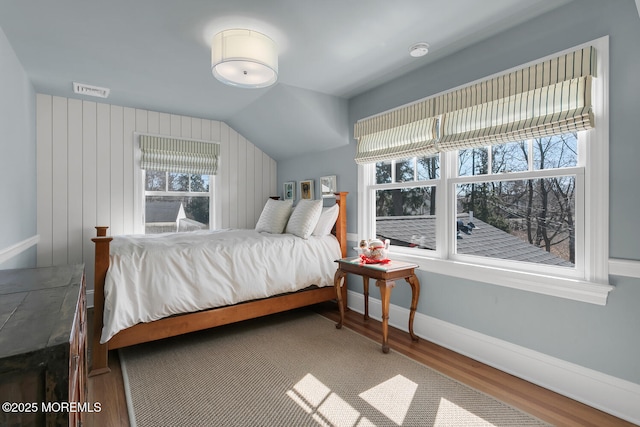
517	201
529	213
176	202
405	200
174	192
513	201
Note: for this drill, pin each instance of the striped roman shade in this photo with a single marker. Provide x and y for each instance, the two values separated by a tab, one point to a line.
404	132
179	155
544	99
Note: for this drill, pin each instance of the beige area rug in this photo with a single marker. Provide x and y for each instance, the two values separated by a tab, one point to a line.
296	369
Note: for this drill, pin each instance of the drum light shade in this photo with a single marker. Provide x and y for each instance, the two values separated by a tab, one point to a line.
244	58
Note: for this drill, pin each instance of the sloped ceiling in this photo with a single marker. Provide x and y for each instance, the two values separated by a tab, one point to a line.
154	54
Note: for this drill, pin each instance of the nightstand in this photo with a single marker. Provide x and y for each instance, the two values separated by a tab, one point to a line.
385	276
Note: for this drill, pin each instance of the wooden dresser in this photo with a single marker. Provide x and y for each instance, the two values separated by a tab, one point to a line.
43	352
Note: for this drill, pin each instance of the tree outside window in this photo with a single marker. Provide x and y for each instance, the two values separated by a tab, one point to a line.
513	201
540	211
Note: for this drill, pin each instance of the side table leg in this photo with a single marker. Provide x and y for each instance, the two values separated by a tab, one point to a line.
365	285
385	296
415	294
337	284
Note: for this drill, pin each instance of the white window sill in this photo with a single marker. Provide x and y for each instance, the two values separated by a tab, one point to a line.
569	288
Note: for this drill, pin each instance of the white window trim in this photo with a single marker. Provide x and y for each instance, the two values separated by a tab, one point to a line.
578	172
588	282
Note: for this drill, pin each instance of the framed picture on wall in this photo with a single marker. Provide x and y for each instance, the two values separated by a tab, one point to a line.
289	190
328	186
306	190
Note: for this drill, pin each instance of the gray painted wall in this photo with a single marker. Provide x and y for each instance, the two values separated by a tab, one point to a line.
601	338
17	157
337	162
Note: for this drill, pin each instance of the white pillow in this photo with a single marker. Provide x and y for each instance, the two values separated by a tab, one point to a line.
274	216
304	218
327	218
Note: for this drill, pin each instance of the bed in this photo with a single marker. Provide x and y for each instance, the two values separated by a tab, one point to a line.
127	308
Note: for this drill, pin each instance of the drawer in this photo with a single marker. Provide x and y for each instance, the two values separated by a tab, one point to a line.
78	360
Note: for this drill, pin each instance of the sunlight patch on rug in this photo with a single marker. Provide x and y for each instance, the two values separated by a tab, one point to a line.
312	390
392	397
450	414
326	407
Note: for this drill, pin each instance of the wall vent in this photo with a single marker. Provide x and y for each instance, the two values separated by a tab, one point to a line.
83	89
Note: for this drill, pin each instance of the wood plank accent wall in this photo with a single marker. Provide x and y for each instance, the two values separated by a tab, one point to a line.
86	159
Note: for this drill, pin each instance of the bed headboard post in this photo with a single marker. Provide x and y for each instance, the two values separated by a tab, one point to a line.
341	223
341	235
99	358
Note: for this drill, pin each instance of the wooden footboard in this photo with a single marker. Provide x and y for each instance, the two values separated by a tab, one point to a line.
181	324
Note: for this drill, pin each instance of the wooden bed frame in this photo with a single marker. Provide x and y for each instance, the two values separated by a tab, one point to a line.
190	322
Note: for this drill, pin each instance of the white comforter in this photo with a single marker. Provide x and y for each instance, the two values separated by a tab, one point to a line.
155	276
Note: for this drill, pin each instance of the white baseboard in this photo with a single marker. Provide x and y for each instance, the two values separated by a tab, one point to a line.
604	392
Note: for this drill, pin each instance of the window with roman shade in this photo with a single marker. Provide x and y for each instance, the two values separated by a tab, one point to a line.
501	181
178	155
177	180
548	98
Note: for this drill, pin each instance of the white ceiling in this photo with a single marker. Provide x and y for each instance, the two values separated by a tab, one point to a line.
154	54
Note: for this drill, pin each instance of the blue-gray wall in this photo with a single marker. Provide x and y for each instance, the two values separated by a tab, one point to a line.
17	157
604	338
338	162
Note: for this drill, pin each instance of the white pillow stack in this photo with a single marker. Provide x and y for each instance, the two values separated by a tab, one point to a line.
308	218
304	218
274	216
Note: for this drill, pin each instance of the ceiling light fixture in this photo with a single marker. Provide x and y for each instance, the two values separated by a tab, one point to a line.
244	58
419	49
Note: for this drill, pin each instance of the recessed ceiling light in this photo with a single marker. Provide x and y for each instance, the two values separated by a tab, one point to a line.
419	49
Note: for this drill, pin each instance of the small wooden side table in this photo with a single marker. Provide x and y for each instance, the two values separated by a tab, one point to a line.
385	276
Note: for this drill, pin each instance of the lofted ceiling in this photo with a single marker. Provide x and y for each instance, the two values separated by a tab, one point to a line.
154	54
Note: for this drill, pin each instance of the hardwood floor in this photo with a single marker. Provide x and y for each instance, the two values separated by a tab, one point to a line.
108	389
